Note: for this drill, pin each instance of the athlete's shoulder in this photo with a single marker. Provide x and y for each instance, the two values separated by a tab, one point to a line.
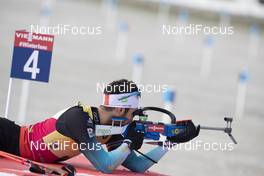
87	113
91	111
75	122
75	113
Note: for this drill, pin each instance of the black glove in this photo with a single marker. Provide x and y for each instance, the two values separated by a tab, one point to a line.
135	138
190	132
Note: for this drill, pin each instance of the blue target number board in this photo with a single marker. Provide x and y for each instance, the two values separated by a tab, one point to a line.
32	56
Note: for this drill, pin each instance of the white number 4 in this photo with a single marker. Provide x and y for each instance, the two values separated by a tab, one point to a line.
34	70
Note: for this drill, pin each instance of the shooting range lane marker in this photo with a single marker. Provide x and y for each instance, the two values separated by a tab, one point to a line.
23	102
182	18
122	39
241	93
111	14
163	11
182	21
137	72
8	97
169	97
224	19
207	56
254	41
45	13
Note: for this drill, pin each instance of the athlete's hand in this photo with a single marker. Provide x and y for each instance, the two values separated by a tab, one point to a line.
190	132
135	137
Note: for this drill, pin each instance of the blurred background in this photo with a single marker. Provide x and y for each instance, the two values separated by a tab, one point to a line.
209	76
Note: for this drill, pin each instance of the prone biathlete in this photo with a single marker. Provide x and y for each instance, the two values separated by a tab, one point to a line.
71	132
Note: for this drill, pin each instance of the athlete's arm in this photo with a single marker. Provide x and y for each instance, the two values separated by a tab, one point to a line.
104	161
76	124
135	162
117	156
141	164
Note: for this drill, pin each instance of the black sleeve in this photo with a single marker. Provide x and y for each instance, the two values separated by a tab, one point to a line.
114	142
74	123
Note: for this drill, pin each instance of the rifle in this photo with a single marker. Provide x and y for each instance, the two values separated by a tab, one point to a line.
153	130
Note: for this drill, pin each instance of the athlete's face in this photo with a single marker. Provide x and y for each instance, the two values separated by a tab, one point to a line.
121	112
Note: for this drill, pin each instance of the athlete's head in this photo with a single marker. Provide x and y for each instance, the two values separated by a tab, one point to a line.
120	99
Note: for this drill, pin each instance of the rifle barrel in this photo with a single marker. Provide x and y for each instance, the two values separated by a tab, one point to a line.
212	128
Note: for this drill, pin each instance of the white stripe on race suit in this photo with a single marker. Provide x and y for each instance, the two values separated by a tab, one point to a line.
104	130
